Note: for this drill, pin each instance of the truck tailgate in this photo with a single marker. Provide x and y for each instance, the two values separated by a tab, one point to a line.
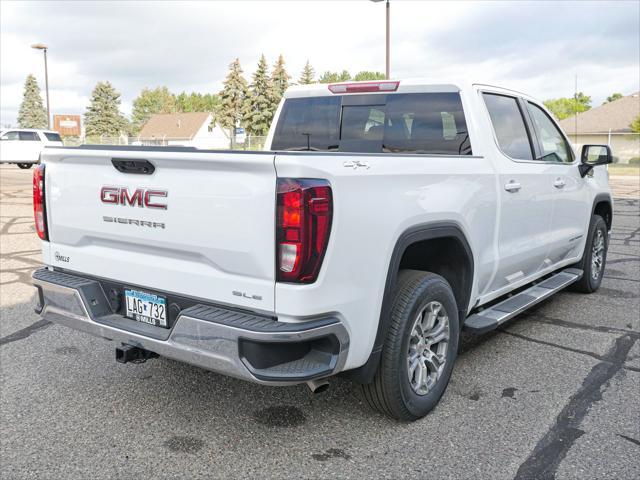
213	241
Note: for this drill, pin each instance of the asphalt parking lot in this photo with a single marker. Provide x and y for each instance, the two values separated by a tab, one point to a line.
555	394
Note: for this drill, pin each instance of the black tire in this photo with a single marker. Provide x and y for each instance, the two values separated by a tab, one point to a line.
25	166
590	283
391	392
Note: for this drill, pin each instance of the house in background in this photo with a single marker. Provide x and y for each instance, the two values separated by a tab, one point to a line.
608	124
193	129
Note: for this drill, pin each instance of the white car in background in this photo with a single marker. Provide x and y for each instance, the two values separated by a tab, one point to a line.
22	146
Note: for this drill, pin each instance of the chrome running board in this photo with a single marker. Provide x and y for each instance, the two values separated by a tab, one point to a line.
494	316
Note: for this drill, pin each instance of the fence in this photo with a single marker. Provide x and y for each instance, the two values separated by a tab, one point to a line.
251	143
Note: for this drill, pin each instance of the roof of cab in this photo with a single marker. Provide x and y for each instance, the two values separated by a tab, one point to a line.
407	85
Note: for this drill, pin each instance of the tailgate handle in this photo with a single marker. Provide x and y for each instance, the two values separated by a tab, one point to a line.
131	165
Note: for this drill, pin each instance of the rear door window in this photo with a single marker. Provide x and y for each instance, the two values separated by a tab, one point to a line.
430	123
29	137
509	126
427	123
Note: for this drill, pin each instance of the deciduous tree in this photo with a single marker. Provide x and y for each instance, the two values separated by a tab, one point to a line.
334	77
366	75
613	97
32	113
566	107
150	101
635	125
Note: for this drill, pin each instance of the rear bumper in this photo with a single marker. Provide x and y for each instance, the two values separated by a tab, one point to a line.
239	344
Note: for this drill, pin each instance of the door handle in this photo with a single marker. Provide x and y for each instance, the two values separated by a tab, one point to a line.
512	186
559	183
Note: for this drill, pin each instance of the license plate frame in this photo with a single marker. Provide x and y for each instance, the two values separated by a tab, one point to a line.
146	307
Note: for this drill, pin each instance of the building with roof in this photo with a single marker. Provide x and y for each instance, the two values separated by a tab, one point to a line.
192	129
608	124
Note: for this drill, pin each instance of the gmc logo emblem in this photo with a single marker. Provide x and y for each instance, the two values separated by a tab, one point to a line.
139	198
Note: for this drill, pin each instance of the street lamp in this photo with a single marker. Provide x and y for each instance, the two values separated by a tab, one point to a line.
43	47
387	63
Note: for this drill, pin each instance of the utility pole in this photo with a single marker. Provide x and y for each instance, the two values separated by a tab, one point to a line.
388	39
43	47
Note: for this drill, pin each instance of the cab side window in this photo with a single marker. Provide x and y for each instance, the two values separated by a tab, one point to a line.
553	145
509	126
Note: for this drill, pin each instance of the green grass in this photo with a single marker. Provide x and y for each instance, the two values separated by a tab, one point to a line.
624	169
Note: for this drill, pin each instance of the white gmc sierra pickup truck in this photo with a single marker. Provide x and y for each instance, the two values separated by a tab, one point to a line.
383	219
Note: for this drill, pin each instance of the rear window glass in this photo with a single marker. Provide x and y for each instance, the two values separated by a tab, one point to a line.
429	123
53	137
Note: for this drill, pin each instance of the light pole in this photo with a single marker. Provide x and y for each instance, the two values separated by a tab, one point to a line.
43	47
387	60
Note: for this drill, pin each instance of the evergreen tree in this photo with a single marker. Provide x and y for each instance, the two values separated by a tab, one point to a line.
32	113
280	77
307	75
103	116
232	97
158	100
261	101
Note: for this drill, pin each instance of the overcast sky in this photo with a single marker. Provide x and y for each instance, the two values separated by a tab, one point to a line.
535	47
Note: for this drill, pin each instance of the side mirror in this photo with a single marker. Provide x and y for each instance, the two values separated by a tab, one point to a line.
593	155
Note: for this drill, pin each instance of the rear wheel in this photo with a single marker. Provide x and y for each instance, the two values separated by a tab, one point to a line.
25	166
594	257
420	348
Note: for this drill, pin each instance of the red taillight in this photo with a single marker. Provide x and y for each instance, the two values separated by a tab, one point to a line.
305	208
39	210
363	87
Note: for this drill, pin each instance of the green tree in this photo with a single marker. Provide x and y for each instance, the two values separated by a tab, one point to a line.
158	100
307	75
261	101
613	97
103	115
197	102
232	98
32	113
334	77
635	125
566	107
365	75
279	77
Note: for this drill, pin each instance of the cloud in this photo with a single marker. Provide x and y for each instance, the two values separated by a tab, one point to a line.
536	47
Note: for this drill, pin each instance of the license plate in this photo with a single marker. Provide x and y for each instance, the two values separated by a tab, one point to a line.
146	308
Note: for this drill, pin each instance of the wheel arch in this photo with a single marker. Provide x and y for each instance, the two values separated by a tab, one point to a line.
603	206
408	244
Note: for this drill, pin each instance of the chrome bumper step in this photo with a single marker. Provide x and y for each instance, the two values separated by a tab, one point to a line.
237	343
494	316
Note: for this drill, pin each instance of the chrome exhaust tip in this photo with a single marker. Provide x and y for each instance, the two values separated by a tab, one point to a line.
318	386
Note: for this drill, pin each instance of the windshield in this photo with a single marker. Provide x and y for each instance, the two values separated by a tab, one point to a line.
429	123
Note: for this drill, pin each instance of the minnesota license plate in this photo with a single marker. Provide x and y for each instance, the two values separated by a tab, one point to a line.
146	308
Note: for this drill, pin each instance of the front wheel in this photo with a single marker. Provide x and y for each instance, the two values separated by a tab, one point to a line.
420	348
25	166
594	257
